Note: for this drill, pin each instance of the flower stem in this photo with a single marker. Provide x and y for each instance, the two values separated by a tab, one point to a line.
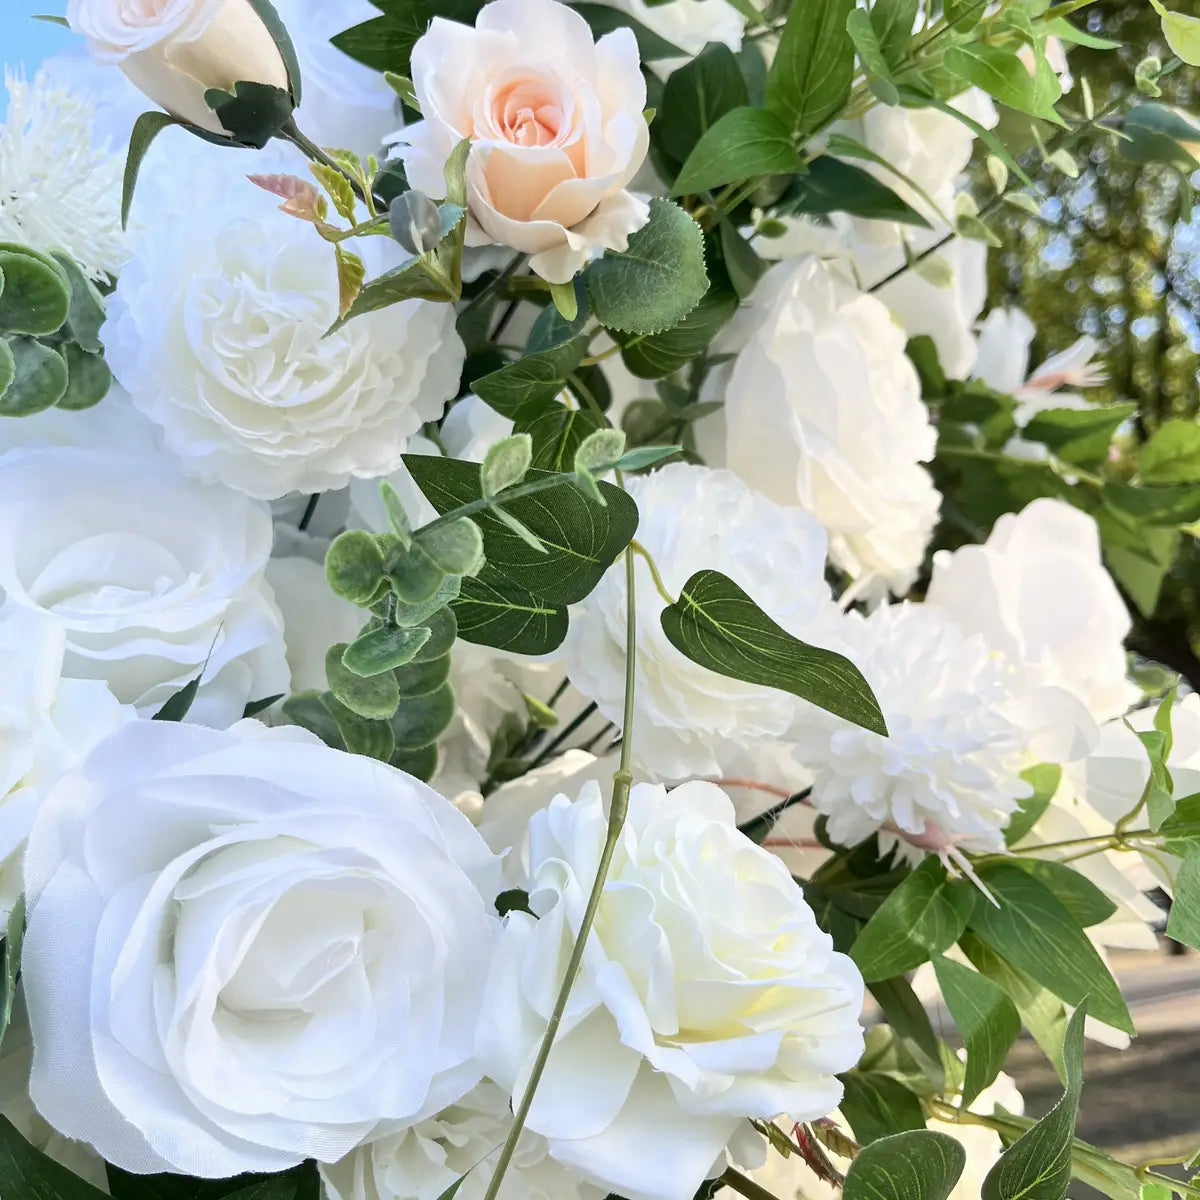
659	586
745	1186
291	132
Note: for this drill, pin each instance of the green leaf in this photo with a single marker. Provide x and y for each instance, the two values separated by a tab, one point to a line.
420	720
878	1106
562	295
698	95
1086	903
1182	33
923	917
917	1165
716	624
397	517
656	355
742	263
14	935
528	387
1061	28
604	19
308	710
8	369
88	378
1184	922
904	1012
1033	930
657	281
557	433
301	1183
178	706
385	43
420	679
36	293
379	650
506	463
835	186
39	377
28	1174
354	566
452	1190
374	697
413	575
1000	72
744	143
1170	504
493	611
456	548
551	330
408	615
1078	436
1038	1165
894	21
443	629
1044	779
369	736
986	1018
600	450
145	129
813	69
861	29
1172	455
582	540
254	707
646	456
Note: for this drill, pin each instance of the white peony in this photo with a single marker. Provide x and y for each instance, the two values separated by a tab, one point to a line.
155	579
707	993
236	367
59	189
1039	593
690	720
688	24
823	409
47	726
287	961
556	126
422	1162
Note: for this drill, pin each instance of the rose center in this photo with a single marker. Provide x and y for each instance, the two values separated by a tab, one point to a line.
529	114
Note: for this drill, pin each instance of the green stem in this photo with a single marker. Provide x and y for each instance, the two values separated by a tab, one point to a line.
745	1186
1027	464
660	587
622	781
291	132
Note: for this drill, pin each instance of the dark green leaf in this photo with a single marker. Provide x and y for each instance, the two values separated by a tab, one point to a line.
835	186
379	650
646	456
986	1018
551	330
419	679
88	378
495	612
813	68
420	720
604	19
177	707
254	707
923	917
744	143
1184	922
1172	455
894	21
557	434
1173	504
716	624
8	367
367	736
878	1106
385	43
662	354
36	293
14	935
39	377
307	709
532	384
657	280
443	629
1086	903
1038	1165
1044	779
1078	436
374	697
1031	928
917	1165
905	1013
28	1174
698	95
145	129
742	263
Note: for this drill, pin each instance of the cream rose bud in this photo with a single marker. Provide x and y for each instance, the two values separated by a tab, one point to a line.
707	993
556	126
286	962
175	50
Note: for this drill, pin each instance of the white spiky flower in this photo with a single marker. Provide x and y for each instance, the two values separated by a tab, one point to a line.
59	189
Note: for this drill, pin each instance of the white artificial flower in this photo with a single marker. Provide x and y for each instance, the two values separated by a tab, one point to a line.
422	1162
285	962
239	368
59	190
822	408
156	579
688	719
1039	593
472	427
688	24
707	993
113	426
47	726
556	126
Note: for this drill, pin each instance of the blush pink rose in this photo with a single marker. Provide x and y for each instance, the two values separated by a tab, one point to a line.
557	126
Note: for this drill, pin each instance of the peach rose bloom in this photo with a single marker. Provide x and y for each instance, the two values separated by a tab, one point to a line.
556	125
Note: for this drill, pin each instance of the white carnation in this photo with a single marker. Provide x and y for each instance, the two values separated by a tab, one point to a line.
690	720
707	993
823	409
422	1162
155	579
236	367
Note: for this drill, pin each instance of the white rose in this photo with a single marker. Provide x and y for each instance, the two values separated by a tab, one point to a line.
286	962
556	126
823	409
707	994
47	725
1038	591
422	1162
174	51
690	720
154	578
268	405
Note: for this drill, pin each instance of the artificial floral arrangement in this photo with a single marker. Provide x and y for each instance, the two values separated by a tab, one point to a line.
540	627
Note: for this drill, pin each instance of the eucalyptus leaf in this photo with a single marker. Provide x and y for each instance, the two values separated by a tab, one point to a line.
36	296
506	463
369	736
354	566
308	710
379	650
88	378
457	548
420	720
422	678
39	377
374	697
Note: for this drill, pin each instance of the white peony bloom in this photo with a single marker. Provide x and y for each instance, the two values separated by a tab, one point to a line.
47	725
266	402
59	190
556	125
422	1162
1039	593
707	993
823	409
690	720
287	961
688	24
155	579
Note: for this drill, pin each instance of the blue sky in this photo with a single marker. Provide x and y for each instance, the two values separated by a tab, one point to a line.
25	42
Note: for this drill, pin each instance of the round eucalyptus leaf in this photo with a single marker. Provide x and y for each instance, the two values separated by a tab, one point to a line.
37	294
8	368
39	378
374	697
86	312
88	378
354	566
419	679
420	720
421	763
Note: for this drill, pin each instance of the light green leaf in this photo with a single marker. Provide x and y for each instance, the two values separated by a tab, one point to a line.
88	378
1044	779
374	697
986	1018
1182	33
658	279
519	528
600	450
646	456
716	624
1030	927
917	1165
923	917
894	21
1172	455
1062	29
1000	72
397	517
870	52
1038	1165
813	68
744	143
456	548
532	384
443	629
382	649
506	463
564	299
354	566
420	679
1184	922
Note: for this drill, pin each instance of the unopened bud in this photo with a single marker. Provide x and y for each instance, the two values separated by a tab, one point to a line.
415	222
1146	76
